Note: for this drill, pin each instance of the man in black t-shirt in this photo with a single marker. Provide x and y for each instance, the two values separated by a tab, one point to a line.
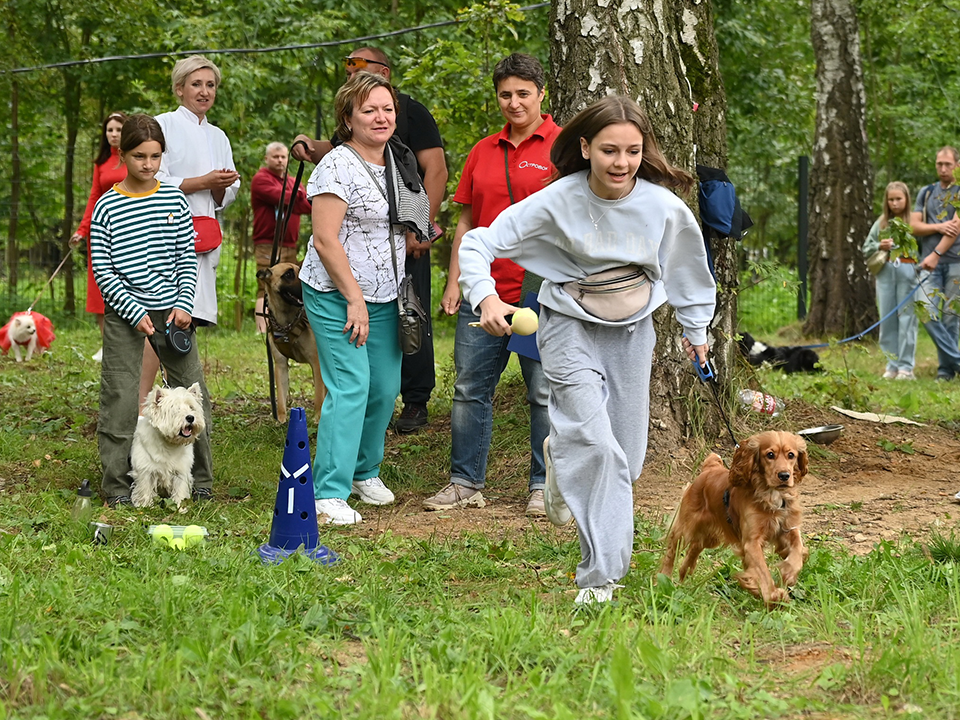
416	129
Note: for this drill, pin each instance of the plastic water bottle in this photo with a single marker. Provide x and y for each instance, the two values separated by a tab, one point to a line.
83	506
761	402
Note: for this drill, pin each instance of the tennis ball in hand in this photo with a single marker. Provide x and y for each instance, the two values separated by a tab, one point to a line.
163	534
192	535
525	322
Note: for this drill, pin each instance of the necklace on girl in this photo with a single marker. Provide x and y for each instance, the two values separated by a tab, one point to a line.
596	221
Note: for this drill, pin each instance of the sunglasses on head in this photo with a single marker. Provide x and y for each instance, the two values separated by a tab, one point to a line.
361	63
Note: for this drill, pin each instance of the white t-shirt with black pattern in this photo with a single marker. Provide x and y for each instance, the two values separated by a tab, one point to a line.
365	232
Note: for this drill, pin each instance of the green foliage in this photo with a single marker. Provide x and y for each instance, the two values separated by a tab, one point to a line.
889	446
419	623
767	298
904	243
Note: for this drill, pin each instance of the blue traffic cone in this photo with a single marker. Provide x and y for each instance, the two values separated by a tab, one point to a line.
295	515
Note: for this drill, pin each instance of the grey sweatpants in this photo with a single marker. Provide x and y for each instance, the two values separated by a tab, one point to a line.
599	379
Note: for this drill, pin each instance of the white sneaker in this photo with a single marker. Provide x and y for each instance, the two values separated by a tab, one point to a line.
889	375
906	375
372	491
596	595
957	497
335	511
553	503
97	356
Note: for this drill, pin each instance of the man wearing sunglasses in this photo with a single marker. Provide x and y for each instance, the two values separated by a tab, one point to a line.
416	129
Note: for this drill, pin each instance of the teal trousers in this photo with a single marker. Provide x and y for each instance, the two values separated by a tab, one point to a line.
362	387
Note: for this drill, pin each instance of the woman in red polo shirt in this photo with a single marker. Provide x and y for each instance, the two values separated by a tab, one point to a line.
502	169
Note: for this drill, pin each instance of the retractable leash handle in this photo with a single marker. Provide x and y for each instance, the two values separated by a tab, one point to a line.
707	377
705	371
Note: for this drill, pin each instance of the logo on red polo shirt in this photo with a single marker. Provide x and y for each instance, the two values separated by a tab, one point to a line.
527	163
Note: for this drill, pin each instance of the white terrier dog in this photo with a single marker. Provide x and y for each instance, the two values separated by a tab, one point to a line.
162	455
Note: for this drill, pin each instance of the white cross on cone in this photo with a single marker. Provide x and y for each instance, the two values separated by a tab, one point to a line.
295	514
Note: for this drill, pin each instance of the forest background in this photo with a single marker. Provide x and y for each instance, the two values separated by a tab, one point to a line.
52	115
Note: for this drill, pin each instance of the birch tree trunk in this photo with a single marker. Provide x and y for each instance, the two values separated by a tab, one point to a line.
841	180
662	53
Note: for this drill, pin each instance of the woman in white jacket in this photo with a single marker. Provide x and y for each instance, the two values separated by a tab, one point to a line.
609	211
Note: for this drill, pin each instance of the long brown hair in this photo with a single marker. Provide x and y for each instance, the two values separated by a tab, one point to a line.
885	216
567	157
104	154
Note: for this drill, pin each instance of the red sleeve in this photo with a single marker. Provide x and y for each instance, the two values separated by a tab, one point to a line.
464	193
302	206
95	194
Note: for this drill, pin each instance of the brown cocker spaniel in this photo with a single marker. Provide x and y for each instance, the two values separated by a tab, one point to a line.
748	506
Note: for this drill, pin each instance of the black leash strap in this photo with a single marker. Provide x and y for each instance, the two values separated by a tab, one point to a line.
705	373
284	211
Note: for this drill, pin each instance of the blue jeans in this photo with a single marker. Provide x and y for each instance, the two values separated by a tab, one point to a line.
898	333
939	288
480	359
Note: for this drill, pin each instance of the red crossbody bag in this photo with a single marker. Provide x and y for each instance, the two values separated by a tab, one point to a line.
207	235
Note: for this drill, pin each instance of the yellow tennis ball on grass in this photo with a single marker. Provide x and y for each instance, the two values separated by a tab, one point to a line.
525	322
192	535
163	534
177	543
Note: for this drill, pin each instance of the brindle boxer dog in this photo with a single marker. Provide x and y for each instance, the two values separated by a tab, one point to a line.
288	332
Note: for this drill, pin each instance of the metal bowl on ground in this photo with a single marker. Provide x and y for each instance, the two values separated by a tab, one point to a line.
823	435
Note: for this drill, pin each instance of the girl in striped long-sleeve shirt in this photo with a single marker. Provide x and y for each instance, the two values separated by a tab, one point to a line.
142	245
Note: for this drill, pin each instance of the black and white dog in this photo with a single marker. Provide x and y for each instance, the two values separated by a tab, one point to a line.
790	359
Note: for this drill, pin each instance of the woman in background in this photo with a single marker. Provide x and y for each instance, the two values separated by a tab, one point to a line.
897	279
198	159
107	172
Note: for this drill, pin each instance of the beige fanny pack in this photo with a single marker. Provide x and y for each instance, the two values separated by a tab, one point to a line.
612	295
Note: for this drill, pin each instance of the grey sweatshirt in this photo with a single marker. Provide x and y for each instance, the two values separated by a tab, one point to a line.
552	234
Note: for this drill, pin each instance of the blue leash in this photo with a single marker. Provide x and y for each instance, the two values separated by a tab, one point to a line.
876	324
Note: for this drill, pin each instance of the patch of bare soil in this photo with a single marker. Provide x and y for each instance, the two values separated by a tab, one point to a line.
856	494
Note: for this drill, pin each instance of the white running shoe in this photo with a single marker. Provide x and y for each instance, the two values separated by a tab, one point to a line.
596	595
553	503
906	375
372	491
335	511
889	375
97	356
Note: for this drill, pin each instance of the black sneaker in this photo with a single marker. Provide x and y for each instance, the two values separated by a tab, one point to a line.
412	418
202	494
120	501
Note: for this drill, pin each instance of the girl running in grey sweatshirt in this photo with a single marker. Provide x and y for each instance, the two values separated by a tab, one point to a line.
608	210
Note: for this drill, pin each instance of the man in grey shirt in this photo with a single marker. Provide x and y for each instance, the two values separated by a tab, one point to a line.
936	226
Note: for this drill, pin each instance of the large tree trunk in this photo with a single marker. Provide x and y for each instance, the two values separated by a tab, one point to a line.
664	55
841	181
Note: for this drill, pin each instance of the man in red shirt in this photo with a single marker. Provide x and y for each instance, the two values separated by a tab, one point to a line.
265	190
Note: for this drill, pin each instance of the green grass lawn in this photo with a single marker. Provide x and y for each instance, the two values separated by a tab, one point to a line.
472	625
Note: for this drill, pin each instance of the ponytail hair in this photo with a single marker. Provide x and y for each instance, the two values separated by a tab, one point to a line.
568	159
